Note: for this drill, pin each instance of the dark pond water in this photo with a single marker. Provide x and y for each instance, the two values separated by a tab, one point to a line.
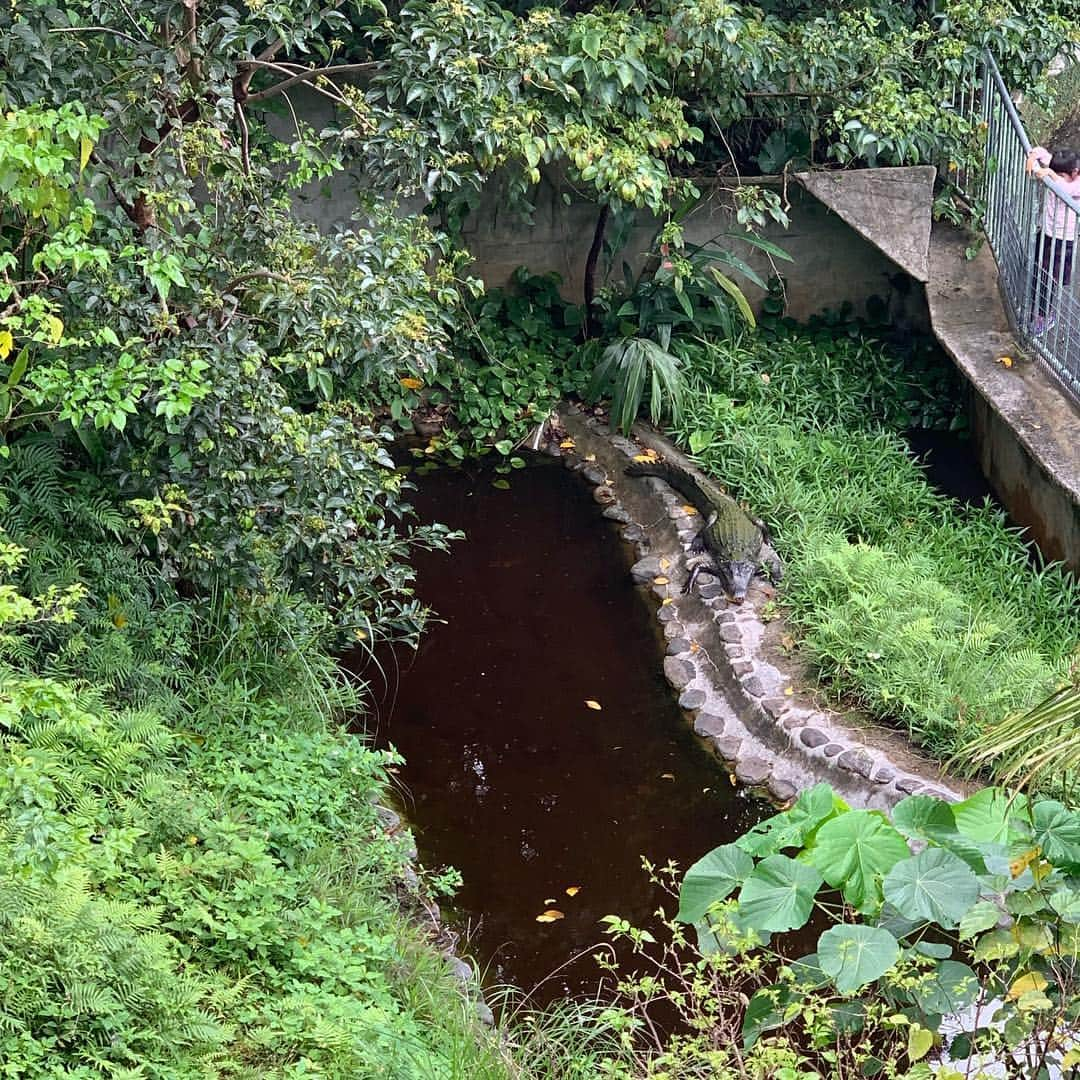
951	464
510	777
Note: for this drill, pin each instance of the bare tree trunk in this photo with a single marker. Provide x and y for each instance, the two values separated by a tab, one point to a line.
590	271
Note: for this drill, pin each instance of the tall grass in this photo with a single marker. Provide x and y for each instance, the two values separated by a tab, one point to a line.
933	615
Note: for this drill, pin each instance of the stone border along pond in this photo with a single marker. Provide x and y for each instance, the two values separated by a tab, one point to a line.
754	714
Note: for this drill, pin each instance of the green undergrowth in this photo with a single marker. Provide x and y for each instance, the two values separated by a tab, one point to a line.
928	613
194	881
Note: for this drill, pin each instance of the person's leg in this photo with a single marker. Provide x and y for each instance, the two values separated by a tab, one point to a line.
1040	283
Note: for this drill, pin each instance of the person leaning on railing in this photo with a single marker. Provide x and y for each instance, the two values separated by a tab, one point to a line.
1057	232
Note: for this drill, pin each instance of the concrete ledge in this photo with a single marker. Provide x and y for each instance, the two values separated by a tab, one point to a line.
889	207
1026	430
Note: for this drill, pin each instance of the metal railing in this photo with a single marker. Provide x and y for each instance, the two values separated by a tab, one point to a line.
1031	226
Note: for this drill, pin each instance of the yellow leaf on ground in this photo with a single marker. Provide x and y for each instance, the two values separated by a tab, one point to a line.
567	444
660	580
590	457
573	890
667	776
665	563
646	456
593	704
691	510
666	600
551	915
789	691
1005	361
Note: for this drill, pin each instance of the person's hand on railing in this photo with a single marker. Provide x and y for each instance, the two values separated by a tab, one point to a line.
1038	161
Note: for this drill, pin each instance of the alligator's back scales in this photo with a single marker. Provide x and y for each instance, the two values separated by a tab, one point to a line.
733	539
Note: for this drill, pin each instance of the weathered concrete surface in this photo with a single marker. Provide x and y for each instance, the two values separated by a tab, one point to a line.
1026	430
889	207
832	264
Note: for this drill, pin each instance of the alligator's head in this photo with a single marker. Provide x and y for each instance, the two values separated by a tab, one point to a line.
735	576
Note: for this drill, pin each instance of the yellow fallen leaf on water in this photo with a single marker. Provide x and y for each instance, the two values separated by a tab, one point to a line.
688	509
411	384
667	776
593	704
567	444
572	890
660	580
550	900
551	915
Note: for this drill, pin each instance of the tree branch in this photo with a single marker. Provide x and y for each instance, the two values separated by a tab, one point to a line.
304	76
94	30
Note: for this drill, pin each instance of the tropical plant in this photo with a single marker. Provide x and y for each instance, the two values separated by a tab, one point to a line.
980	926
633	369
1037	749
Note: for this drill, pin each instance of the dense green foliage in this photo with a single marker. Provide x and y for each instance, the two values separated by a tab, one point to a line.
194	878
925	611
197	500
980	922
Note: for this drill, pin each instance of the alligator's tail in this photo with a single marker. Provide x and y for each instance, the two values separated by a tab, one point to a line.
682	481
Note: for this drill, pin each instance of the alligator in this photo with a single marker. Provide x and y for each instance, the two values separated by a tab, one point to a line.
738	545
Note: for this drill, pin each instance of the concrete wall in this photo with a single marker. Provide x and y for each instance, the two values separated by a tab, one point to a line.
831	263
1034	498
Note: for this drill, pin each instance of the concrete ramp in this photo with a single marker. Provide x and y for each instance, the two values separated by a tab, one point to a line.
889	207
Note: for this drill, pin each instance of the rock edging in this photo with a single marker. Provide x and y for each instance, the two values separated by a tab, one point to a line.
742	704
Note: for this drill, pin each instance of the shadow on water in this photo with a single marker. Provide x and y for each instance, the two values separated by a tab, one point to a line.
951	465
510	777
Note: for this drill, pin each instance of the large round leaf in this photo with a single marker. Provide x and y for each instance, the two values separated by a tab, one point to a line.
923	816
935	885
794	826
779	894
855	955
1057	830
985	816
854	851
713	877
947	988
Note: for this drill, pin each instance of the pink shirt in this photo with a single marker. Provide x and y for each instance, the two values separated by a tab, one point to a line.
1059	218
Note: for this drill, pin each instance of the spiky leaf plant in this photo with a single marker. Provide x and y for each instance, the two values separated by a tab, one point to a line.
630	366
